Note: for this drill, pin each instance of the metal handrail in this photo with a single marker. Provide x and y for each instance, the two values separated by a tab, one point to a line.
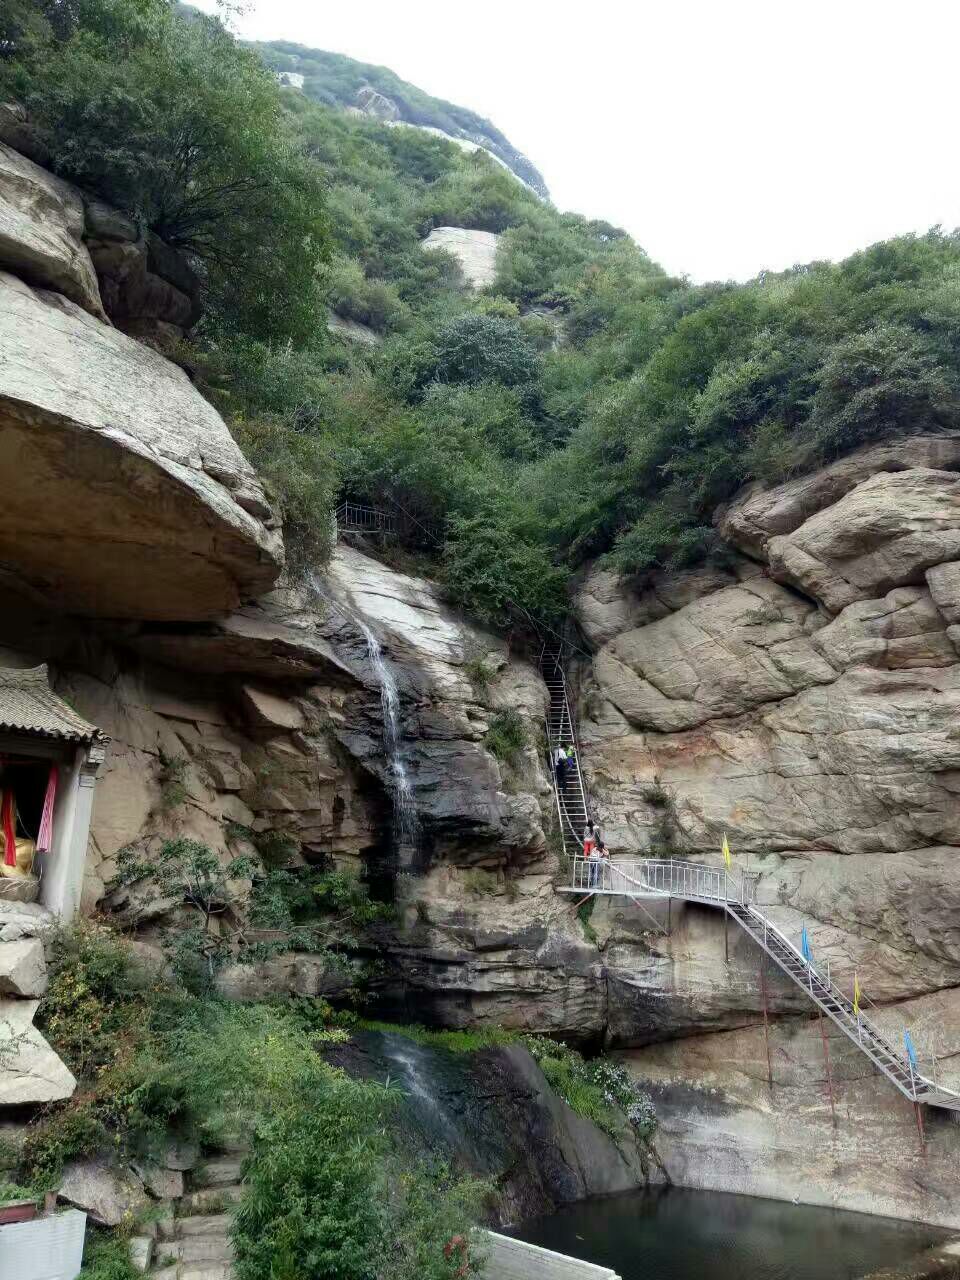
356	516
554	657
698	882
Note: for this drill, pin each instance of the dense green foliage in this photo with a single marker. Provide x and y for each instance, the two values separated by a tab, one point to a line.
175	123
328	1191
660	401
333	79
584	405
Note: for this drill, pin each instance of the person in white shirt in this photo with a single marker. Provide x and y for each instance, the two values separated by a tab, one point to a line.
593	865
560	765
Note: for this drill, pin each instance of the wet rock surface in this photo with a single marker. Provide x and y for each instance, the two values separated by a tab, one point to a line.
492	1113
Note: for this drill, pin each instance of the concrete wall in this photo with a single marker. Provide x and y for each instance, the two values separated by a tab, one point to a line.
509	1259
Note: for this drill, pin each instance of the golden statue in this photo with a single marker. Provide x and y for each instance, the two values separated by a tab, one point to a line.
25	852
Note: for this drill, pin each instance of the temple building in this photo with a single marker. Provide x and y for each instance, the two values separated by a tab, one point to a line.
49	760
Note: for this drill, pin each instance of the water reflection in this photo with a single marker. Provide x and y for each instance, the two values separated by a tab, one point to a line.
704	1235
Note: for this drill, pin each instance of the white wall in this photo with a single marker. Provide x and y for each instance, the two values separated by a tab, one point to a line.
509	1259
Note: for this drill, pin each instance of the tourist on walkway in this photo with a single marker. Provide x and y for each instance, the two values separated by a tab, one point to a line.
593	867
560	765
589	838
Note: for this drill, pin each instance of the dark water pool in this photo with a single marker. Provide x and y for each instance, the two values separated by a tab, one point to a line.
707	1235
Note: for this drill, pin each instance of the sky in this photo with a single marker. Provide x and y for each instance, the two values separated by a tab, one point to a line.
728	137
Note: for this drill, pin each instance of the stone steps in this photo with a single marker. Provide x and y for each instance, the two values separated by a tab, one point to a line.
223	1171
208	1199
211	1271
203	1224
198	1244
194	1249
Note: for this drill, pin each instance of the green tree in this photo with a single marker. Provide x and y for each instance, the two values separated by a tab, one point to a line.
484	348
888	380
170	119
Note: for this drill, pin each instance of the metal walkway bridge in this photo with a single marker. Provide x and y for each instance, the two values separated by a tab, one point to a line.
639	879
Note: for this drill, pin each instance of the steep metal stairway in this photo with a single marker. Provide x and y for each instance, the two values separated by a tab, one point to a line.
652	878
571	798
659	878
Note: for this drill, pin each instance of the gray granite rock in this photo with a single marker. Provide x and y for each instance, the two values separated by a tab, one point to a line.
157	515
41	231
23	969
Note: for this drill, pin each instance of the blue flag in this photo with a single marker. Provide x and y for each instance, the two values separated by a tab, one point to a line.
911	1051
805	946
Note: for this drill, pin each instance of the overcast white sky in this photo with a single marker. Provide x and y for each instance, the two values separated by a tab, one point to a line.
727	136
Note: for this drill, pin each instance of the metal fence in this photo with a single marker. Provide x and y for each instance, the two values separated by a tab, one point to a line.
657	878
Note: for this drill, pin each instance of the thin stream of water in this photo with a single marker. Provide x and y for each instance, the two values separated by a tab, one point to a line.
406	823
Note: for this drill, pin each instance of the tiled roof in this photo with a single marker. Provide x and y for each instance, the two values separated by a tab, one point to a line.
29	705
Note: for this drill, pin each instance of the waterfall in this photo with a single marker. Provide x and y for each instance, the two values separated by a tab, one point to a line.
406	824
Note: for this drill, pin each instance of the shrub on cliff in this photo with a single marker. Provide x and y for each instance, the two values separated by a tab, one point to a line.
167	117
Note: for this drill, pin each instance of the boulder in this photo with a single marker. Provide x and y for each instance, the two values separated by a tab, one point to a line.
266	710
607	605
103	222
41	231
475	251
352	330
23	969
131	498
24	920
161	1183
30	1071
885	533
724	654
757	514
17	132
944	583
107	1192
903	630
131	292
378	105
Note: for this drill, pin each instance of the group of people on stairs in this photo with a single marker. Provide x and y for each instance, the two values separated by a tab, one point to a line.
594	849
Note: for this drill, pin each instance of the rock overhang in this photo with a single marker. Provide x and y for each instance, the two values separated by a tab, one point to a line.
126	496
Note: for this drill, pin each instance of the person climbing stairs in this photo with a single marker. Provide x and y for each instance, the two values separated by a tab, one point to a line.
638	879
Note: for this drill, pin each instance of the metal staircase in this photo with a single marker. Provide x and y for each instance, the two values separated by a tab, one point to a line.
651	878
571	798
665	879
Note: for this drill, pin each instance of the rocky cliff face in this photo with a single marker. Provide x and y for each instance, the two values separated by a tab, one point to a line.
144	563
801	696
803	699
491	1114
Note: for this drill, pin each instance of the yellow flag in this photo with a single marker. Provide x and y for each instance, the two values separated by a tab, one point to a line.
856	994
725	850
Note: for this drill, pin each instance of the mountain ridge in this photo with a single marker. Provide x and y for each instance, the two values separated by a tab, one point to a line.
336	80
